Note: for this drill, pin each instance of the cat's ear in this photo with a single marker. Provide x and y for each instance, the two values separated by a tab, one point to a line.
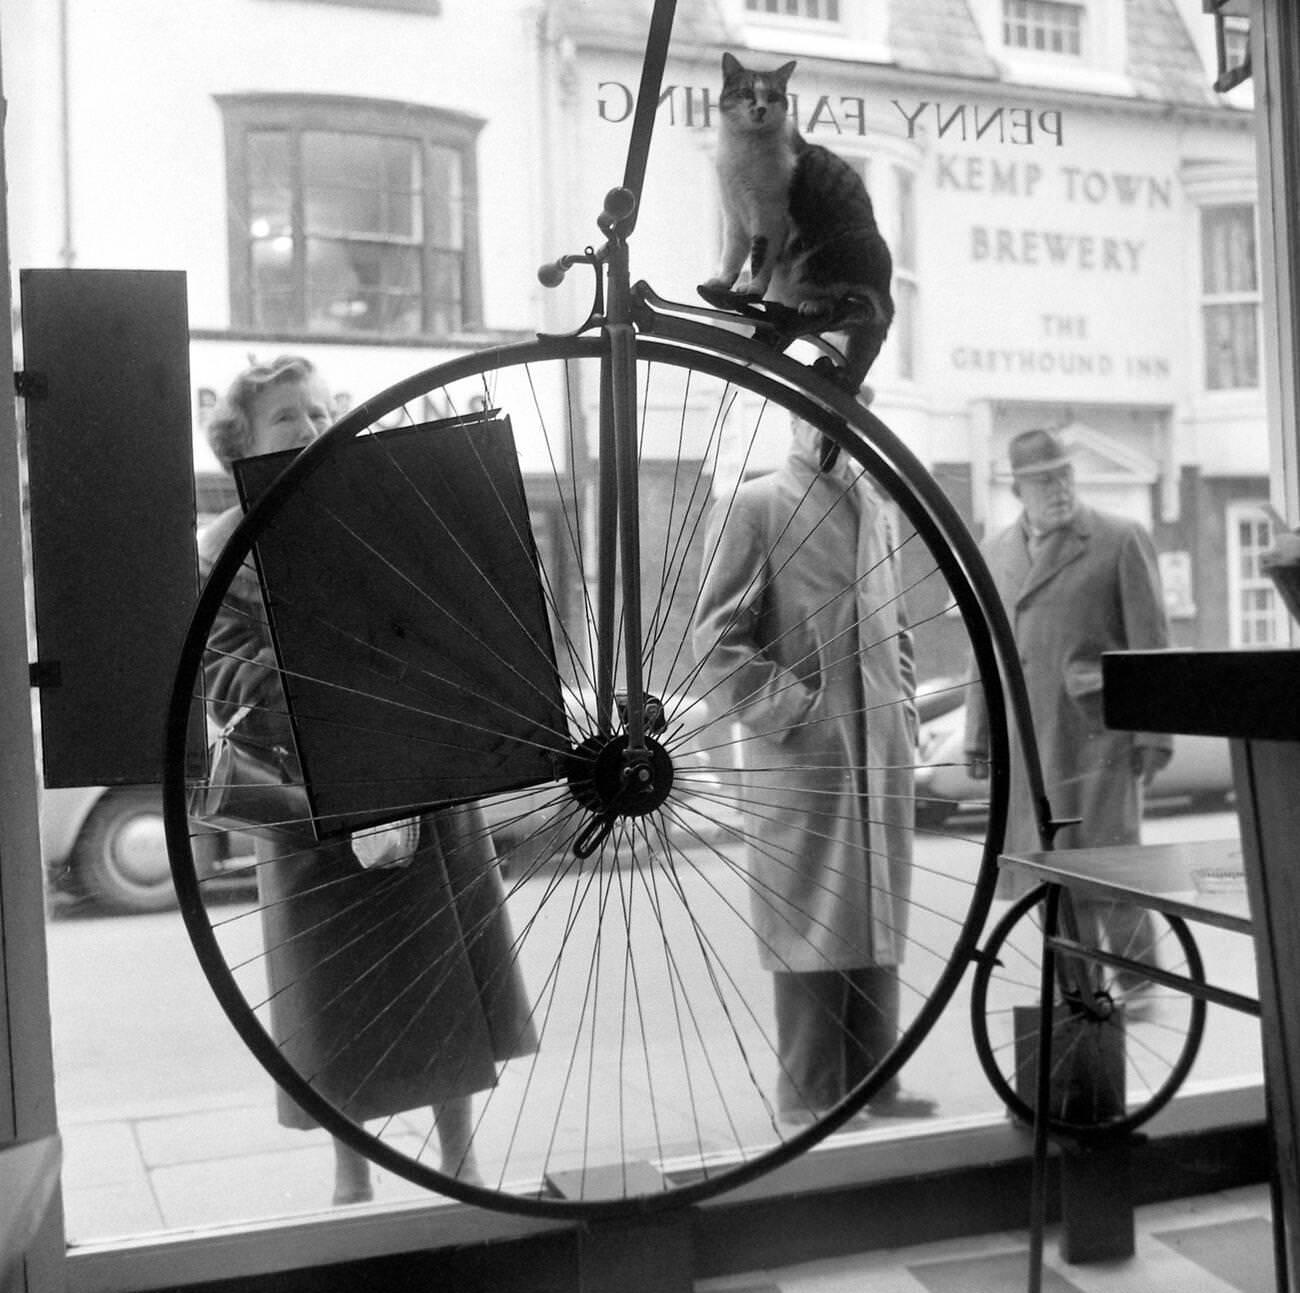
731	66
782	74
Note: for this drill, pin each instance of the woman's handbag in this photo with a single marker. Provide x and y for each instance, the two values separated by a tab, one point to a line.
248	785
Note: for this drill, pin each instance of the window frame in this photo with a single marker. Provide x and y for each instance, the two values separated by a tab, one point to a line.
1206	301
430	127
893	198
431	7
907	275
1100	67
753	13
1239	584
1046	8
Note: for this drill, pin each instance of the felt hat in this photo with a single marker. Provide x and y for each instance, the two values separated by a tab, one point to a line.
1033	452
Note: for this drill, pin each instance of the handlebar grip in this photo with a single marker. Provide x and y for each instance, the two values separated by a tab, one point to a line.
552	275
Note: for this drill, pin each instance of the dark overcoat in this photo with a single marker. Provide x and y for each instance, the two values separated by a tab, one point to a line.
1093	587
392	988
801	635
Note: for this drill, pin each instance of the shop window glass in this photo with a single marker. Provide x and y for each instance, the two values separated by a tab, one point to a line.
1049	270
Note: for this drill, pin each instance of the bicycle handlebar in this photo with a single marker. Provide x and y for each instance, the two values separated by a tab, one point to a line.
552	275
620	203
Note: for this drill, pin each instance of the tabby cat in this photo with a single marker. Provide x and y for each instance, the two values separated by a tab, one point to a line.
799	228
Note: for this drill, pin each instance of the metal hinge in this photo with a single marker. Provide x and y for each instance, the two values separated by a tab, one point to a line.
31	386
45	673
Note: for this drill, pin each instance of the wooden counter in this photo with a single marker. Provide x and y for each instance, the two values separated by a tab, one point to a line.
1253	699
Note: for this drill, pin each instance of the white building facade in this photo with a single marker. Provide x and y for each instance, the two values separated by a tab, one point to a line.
1071	210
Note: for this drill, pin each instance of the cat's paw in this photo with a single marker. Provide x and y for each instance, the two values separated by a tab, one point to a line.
717	292
724	298
816	307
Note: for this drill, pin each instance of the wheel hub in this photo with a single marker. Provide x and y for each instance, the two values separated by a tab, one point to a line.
609	781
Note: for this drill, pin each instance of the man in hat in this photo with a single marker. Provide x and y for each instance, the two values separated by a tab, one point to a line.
1075	582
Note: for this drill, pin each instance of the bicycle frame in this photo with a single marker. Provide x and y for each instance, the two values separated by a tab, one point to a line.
618	525
618	308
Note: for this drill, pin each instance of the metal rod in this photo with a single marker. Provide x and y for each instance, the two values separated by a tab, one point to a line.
647	104
1043	1091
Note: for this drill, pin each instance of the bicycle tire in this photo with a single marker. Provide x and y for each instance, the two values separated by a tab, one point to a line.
1118	1058
695	1101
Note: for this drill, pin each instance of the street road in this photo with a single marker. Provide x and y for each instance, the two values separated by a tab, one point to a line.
137	1030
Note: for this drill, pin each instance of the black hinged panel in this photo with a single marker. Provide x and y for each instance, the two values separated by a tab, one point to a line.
30	385
111	467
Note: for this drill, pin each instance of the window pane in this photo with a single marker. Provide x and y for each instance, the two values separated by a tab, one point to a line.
1043	25
813	10
446	293
270	192
1260	618
1231	347
273	294
905	239
447	199
367	287
903	331
1228	250
360	184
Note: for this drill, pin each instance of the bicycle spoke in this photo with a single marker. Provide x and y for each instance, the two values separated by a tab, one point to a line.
591	965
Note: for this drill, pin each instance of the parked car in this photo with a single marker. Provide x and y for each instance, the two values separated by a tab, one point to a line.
107	845
1198	776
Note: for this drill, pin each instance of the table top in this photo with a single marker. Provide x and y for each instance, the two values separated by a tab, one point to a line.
1201	881
1247	694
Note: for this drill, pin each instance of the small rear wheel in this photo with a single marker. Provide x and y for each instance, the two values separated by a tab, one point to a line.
1122	1042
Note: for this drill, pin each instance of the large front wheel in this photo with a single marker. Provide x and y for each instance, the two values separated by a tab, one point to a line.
589	956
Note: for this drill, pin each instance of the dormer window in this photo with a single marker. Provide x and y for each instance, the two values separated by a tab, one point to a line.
809	10
1043	26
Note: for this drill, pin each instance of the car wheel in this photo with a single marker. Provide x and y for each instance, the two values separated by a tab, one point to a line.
120	858
1212	801
931	814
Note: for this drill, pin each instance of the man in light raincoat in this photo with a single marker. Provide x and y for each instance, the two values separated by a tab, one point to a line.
802	636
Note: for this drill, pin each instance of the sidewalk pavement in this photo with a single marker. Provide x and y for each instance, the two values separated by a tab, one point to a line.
133	1172
144	1171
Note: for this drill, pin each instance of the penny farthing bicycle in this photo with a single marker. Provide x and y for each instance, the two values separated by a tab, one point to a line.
480	586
